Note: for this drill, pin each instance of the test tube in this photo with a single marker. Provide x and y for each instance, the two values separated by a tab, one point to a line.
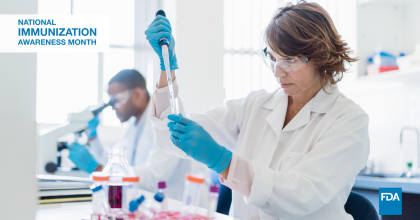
192	193
174	106
162	189
213	199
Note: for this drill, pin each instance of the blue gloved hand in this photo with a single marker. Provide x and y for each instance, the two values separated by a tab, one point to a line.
82	158
191	138
159	28
92	125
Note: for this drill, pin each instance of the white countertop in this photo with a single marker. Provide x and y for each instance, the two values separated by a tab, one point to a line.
83	210
408	185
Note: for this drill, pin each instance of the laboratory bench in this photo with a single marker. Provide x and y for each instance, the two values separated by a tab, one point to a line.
369	186
83	210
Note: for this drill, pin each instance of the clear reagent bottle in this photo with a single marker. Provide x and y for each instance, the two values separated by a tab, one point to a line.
117	168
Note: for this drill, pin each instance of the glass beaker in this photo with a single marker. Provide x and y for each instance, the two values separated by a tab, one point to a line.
117	168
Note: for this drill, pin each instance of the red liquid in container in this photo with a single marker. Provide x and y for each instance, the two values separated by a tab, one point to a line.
115	196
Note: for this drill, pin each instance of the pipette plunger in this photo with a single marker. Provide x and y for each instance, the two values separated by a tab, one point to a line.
164	44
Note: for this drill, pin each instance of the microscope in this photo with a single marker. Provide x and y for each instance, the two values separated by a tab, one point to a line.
49	148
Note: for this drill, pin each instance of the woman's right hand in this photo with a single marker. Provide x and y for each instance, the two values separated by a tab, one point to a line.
161	28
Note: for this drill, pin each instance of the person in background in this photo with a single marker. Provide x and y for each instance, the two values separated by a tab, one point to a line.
128	88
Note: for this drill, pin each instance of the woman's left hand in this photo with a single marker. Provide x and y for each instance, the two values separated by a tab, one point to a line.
197	143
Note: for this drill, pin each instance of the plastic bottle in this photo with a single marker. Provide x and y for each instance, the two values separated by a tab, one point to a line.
156	205
117	168
134	204
100	205
213	199
162	189
192	193
130	191
100	178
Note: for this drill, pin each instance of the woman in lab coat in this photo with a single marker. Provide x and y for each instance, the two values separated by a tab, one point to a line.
290	154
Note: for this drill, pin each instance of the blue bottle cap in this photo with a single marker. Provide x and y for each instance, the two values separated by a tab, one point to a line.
96	189
134	205
159	197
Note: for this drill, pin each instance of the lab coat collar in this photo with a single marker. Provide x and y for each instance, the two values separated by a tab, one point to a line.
321	103
278	105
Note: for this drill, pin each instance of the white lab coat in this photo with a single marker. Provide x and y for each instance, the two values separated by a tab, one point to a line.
152	164
314	174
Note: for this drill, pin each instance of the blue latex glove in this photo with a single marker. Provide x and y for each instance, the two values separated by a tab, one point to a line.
82	158
159	28
92	125
191	138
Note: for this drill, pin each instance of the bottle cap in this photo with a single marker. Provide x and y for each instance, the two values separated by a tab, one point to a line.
135	179
100	176
195	178
159	197
96	189
135	203
214	188
162	185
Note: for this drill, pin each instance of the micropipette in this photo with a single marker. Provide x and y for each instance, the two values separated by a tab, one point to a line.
164	44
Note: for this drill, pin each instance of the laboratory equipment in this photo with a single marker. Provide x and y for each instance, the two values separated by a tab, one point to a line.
192	193
382	62
164	44
130	191
49	149
213	199
411	60
100	179
100	206
162	189
156	204
414	167
134	204
117	168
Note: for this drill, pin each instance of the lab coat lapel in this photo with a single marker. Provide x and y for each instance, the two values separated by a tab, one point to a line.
278	105
302	118
321	103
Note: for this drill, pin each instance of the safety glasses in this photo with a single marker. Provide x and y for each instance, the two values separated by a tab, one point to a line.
121	98
287	65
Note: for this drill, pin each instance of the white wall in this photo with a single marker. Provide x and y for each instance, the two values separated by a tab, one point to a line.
199	50
17	125
378	25
411	29
390	105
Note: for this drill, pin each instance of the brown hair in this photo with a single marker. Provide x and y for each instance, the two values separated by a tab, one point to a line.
307	29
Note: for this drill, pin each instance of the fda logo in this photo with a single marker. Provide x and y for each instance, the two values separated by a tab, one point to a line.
390	201
389	197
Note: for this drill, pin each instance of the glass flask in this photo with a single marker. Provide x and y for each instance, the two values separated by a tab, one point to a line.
117	168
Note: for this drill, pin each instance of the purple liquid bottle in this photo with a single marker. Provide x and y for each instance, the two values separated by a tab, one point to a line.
117	168
115	196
